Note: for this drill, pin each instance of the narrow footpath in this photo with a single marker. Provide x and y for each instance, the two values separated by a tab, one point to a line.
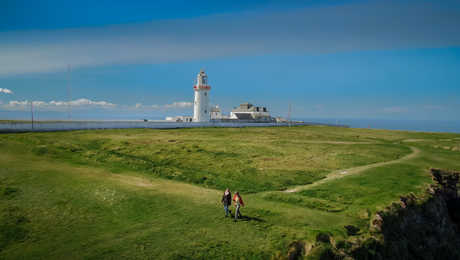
355	170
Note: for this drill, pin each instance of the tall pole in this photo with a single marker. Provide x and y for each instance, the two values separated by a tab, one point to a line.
69	97
289	115
38	113
32	114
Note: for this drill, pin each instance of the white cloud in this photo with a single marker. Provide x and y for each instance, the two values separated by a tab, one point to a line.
395	110
81	103
5	91
87	102
84	103
39	103
373	25
89	105
16	103
58	103
173	105
181	104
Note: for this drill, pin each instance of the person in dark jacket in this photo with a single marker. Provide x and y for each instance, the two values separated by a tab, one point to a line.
227	201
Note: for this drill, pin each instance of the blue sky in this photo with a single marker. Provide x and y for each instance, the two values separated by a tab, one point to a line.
329	59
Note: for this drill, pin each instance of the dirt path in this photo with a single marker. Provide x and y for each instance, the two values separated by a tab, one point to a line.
346	172
335	142
414	140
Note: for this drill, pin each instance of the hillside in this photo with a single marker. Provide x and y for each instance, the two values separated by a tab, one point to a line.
141	193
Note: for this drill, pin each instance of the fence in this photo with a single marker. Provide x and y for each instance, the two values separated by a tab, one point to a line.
86	125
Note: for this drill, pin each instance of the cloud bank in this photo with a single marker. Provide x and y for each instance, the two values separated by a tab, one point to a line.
87	104
181	104
174	105
376	25
5	91
82	103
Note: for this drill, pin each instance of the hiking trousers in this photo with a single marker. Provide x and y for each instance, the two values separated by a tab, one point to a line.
226	210
237	212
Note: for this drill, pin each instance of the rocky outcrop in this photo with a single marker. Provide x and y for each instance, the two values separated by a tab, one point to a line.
425	227
417	227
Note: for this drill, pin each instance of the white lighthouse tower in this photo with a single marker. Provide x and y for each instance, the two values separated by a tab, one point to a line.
201	107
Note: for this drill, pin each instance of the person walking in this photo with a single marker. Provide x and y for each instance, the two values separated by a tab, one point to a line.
227	201
238	203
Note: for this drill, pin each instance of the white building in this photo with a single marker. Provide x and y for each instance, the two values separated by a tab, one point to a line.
201	107
185	119
216	113
247	111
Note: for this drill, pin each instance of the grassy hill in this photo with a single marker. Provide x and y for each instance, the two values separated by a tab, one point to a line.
142	193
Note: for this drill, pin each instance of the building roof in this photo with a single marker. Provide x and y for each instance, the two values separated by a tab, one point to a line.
248	107
216	109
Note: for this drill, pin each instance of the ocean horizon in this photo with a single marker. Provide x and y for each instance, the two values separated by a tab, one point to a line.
447	126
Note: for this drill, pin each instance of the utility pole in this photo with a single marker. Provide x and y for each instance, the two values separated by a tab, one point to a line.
69	97
38	113
289	115
32	114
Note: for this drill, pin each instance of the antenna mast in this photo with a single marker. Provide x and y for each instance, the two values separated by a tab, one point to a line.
32	114
38	113
289	115
69	97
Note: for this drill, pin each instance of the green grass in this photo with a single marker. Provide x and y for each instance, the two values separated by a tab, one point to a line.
251	160
143	193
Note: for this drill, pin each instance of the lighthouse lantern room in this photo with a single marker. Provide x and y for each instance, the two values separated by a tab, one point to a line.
201	107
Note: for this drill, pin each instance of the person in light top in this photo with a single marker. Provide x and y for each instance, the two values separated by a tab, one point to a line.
238	203
227	201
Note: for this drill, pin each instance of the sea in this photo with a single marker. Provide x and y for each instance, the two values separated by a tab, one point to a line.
451	126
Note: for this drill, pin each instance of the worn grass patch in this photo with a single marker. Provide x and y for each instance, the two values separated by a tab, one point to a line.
309	202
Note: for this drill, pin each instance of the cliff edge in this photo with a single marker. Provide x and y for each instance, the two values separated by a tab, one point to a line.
417	227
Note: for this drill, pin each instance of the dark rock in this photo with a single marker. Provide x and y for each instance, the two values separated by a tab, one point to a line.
296	250
352	230
323	237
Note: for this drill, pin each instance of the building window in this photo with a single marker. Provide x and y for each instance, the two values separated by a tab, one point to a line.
206	111
205	93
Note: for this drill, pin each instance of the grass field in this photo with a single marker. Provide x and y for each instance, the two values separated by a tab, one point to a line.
142	193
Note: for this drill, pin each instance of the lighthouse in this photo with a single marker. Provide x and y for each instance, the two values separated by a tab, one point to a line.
201	107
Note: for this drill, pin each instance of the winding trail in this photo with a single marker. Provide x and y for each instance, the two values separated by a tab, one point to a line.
174	187
355	170
334	142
